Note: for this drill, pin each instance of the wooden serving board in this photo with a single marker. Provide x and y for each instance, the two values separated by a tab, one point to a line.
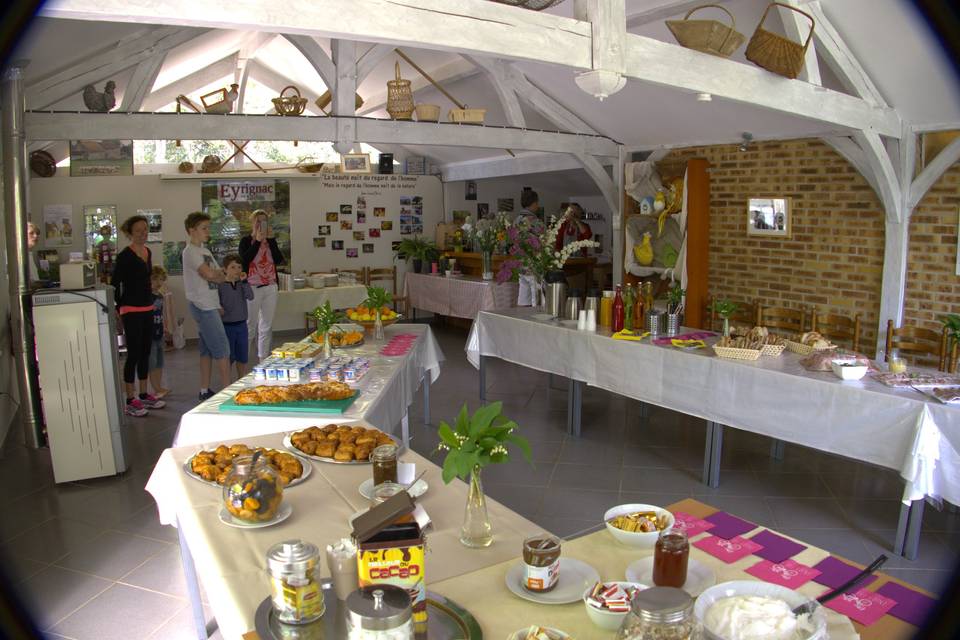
327	407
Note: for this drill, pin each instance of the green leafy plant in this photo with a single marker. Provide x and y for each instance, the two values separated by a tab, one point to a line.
377	297
417	248
478	440
952	322
326	317
675	298
724	308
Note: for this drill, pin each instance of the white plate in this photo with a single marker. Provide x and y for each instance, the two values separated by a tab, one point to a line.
556	634
418	489
292	449
282	514
699	575
575	576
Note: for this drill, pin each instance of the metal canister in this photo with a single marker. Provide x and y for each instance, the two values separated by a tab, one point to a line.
293	567
653	323
378	608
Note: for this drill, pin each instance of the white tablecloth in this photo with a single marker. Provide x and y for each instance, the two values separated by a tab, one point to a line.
291	305
894	428
385	393
457	297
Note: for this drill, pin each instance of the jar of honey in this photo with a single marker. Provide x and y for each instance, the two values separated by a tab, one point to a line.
670	558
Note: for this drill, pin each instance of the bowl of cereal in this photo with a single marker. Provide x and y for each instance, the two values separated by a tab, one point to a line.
637	525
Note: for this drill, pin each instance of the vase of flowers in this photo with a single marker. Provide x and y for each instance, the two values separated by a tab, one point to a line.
472	443
326	317
377	299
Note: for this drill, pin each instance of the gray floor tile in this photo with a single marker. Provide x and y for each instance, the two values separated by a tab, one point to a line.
524	500
932	553
162	573
578	504
146	523
656	499
181	627
793	485
808	513
865	483
871	514
120	613
732	483
586	476
55	593
644	480
519	472
52	539
567	527
842	542
113	554
753	509
19	568
595	453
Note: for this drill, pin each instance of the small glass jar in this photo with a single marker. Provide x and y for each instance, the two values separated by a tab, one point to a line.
541	563
252	491
379	612
384	459
660	613
670	558
896	362
293	567
384	491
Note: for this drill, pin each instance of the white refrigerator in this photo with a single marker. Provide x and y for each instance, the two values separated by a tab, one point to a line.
82	403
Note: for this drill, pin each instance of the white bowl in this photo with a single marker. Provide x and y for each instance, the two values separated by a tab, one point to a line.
608	620
756	588
848	369
635	538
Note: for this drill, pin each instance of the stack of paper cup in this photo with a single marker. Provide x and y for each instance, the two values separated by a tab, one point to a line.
591	320
582	320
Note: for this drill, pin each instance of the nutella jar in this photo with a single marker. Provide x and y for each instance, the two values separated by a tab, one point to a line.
541	563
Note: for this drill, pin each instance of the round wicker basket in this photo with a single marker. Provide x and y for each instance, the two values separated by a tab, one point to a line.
399	97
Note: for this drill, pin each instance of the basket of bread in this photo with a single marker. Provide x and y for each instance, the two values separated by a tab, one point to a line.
757	339
809	342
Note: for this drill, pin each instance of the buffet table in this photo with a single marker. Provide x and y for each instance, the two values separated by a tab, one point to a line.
457	297
292	305
864	420
385	393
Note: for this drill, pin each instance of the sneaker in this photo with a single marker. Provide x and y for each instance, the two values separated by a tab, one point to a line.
206	395
135	409
152	402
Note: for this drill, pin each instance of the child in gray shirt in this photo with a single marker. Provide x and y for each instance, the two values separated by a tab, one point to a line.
234	293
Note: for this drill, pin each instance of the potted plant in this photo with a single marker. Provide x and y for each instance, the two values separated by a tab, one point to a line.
674	308
472	443
409	249
952	323
326	318
725	308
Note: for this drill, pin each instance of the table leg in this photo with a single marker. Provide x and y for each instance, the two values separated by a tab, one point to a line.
483	378
426	399
777	449
907	543
193	587
711	455
405	429
574	405
644	410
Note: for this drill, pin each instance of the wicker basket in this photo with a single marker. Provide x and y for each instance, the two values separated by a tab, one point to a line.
775	53
708	36
327	97
292	105
467	116
185	167
735	353
805	349
309	165
399	97
211	164
428	113
772	349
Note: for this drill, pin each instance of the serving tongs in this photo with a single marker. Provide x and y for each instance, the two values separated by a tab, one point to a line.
810	606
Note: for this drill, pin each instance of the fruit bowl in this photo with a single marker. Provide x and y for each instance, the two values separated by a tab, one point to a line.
359	316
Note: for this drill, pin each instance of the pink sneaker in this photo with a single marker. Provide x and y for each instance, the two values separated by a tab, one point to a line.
135	409
152	402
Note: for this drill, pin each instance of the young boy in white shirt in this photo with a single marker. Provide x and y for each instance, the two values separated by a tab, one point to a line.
201	275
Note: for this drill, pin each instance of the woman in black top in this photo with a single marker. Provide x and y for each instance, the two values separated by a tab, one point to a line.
134	297
259	257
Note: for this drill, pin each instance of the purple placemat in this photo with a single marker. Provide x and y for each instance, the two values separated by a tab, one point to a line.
776	548
727	526
698	335
834	572
912	606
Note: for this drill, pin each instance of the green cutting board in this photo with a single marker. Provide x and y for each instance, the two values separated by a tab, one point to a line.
333	407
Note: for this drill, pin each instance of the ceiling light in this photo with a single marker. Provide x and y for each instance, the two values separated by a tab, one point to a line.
746	138
704	97
600	83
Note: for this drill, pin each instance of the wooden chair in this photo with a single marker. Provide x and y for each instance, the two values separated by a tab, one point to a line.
920	341
793	320
363	274
389	274
837	327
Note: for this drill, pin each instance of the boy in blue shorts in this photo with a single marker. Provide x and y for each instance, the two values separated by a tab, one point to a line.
234	294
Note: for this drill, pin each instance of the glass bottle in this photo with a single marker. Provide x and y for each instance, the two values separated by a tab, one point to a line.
618	312
628	301
638	309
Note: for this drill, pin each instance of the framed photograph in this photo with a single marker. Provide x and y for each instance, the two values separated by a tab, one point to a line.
374	233
379	212
483	209
471	190
319	242
387	225
154	224
368	248
352	252
505	204
337	245
101	158
355	163
346	209
768	217
346	225
361	217
323	230
332	216
359	236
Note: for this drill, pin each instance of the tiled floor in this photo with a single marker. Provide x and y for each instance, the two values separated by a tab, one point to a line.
92	562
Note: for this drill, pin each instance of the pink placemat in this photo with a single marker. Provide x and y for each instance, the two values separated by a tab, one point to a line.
788	573
864	606
691	524
727	550
912	606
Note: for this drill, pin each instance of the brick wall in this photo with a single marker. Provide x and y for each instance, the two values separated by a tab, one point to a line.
834	257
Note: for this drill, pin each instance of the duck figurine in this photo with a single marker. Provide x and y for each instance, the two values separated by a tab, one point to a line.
100	102
659	202
643	252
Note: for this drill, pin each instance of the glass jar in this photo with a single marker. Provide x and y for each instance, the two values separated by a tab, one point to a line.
896	362
293	567
541	563
384	491
660	613
384	459
252	490
670	558
379	612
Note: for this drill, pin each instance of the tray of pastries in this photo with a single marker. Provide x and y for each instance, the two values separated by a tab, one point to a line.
213	466
340	444
267	394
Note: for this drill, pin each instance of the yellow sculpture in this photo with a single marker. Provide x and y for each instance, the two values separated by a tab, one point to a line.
643	252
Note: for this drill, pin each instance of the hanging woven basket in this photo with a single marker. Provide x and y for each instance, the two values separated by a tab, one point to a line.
289	105
399	97
776	53
708	36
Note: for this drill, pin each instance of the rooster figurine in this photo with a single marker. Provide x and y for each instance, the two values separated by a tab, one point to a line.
100	102
643	252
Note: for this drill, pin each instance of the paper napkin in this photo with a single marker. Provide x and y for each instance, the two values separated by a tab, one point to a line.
728	526
788	573
912	606
864	606
727	550
776	548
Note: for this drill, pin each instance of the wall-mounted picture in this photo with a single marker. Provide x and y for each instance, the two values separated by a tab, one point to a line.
361	202
395	245
387	225
361	217
172	257
346	225
379	212
57	225
768	217
346	209
352	252
154	224
374	233
355	163
406	229
319	243
406	201
417	201
505	204
101	158
368	247
459	216
483	209
471	190
332	216
337	245
359	236
49	264
323	230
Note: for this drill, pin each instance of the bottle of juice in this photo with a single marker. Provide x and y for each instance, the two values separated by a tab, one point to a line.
637	310
606	309
628	302
618	311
